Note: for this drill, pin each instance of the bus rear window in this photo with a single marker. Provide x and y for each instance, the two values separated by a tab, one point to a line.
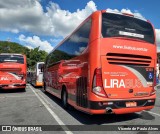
12	58
115	25
40	65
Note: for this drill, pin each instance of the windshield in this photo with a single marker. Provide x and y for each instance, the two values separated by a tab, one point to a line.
115	25
12	58
40	65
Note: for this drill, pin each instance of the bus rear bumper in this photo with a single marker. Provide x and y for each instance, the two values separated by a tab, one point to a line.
121	106
13	86
39	83
121	111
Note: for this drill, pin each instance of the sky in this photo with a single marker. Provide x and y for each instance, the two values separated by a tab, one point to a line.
45	23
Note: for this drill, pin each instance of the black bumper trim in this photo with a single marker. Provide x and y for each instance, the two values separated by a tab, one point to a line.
101	105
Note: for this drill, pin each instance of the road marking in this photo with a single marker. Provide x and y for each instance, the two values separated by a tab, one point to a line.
152	112
17	96
45	100
67	131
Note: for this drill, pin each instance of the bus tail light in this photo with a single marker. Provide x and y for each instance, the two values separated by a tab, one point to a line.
150	100
97	87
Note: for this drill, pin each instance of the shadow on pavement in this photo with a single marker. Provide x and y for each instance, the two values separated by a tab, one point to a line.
12	91
147	116
96	119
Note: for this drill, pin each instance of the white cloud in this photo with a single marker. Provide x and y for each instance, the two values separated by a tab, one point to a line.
80	50
29	16
26	15
128	11
63	21
35	41
75	38
112	10
15	31
30	47
158	39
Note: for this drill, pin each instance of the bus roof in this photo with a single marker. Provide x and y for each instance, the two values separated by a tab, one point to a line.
40	62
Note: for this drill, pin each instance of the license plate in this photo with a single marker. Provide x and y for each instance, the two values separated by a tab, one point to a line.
131	104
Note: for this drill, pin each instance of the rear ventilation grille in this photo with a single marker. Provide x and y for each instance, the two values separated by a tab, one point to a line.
128	59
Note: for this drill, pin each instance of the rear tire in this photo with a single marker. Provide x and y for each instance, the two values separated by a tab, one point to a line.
44	87
64	99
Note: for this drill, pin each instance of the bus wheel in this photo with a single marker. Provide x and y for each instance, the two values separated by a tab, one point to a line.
44	87
64	99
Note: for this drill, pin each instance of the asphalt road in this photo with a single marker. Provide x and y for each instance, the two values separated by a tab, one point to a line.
34	107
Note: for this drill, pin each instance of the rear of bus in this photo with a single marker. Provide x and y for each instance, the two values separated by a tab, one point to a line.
39	74
123	63
12	71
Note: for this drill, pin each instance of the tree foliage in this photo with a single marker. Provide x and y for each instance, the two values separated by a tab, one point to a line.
33	55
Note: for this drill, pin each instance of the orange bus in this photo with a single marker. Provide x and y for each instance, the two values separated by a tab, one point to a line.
12	71
107	65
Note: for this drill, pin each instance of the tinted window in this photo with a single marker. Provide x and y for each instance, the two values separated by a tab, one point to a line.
12	58
40	65
73	46
114	25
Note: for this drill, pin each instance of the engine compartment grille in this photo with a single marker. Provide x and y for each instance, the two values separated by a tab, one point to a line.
128	59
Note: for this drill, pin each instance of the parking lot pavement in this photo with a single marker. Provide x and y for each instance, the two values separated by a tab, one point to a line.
34	107
23	108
